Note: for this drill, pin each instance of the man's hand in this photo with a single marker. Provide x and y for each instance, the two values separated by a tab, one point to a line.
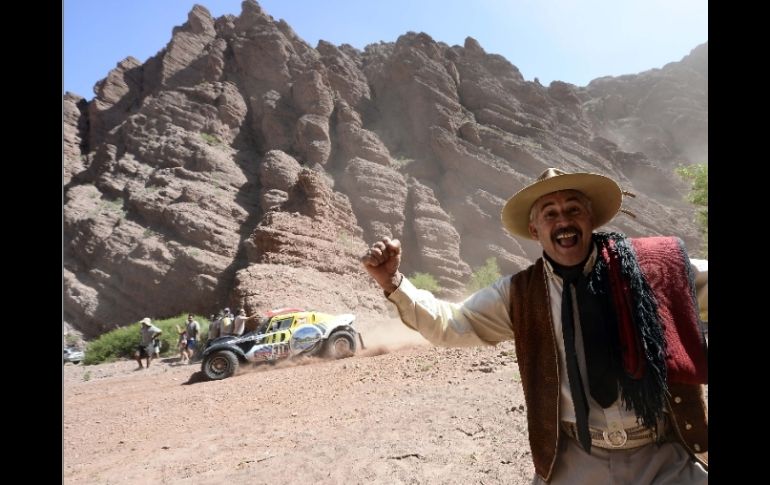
381	261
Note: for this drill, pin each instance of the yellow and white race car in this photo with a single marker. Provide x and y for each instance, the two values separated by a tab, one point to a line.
283	333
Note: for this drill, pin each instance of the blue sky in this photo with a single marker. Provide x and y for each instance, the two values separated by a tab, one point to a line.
567	40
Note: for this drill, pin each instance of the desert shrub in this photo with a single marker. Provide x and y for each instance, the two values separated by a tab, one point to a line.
401	162
112	345
484	276
122	342
71	340
424	281
210	139
698	176
345	239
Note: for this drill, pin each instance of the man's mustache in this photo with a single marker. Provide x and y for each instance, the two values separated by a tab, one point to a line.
565	230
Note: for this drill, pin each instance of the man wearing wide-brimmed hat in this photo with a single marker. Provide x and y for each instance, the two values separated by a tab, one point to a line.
609	347
146	348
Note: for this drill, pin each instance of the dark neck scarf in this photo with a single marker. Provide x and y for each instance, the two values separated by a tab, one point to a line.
623	338
633	314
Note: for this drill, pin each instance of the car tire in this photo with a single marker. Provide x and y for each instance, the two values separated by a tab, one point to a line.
220	364
339	345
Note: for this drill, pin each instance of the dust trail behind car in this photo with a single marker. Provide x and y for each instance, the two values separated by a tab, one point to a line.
381	335
385	335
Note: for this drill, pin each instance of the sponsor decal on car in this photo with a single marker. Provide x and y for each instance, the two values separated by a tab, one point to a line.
282	334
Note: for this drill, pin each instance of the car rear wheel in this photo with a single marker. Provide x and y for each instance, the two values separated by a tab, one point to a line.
220	365
339	345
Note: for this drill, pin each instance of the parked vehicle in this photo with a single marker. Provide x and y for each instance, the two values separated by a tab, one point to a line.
73	355
282	334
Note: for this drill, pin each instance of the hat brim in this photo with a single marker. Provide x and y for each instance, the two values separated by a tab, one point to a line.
604	193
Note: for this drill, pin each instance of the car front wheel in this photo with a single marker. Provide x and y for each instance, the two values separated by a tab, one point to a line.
220	365
339	345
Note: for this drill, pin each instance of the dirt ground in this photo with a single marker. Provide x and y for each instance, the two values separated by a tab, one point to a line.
401	411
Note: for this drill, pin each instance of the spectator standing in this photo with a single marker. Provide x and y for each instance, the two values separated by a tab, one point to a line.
240	322
226	327
193	329
215	327
182	344
146	348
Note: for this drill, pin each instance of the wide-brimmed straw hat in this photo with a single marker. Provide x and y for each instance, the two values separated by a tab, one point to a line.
145	321
605	195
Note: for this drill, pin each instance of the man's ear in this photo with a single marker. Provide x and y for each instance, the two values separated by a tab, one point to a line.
532	230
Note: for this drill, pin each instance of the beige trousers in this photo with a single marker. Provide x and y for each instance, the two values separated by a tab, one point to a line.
668	463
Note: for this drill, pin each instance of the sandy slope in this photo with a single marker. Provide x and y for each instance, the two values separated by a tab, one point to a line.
400	412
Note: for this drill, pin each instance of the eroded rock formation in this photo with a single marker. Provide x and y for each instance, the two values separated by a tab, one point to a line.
242	167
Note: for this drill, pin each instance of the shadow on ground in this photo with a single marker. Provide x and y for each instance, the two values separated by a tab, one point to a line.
195	378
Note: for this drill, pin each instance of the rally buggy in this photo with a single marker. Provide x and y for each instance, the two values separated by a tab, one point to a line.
282	334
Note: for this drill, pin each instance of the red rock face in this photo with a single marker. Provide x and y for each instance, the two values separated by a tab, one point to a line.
662	113
239	152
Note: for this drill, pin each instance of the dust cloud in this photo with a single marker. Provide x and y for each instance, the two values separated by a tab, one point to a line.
380	337
386	335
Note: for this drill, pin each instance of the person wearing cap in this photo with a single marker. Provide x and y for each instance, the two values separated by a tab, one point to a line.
146	348
606	329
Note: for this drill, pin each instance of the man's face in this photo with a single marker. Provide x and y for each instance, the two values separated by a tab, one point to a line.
562	223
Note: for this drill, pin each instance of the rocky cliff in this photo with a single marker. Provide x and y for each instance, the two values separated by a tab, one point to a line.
240	166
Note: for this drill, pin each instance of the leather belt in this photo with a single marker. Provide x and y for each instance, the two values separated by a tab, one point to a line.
622	439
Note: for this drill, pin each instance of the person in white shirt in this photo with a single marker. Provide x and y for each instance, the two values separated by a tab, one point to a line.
146	348
239	324
606	332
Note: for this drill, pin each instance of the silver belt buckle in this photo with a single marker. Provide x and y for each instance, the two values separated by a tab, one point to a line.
616	439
